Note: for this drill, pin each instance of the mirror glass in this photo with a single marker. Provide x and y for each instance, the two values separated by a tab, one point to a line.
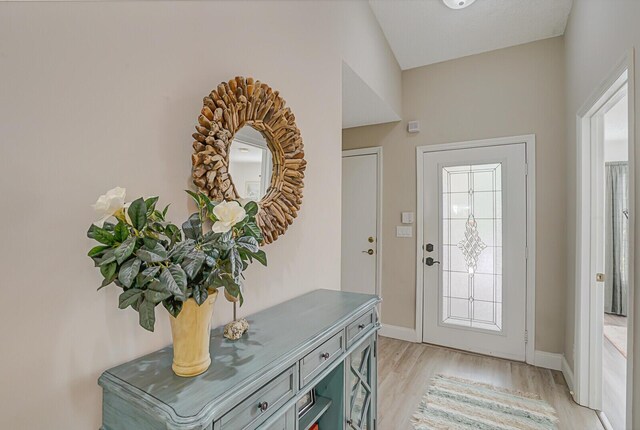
250	163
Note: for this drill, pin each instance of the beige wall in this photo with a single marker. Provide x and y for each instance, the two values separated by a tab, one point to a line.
513	91
366	51
95	95
599	33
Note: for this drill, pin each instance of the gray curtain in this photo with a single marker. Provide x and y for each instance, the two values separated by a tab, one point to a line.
616	238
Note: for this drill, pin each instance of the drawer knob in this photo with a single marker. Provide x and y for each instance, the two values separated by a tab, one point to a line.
263	406
361	326
325	355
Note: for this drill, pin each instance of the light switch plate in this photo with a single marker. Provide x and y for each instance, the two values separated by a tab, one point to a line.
407	217
404	231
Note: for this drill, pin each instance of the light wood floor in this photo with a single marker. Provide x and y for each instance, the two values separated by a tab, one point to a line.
614	375
405	368
614	384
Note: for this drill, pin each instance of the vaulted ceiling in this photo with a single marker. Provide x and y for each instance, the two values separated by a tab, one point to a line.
422	32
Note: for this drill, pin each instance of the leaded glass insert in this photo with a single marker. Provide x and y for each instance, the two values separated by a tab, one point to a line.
471	287
471	246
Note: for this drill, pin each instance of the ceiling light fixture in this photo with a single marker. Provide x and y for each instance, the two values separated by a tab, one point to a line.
458	4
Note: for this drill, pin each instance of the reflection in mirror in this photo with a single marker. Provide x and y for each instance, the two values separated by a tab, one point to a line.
250	163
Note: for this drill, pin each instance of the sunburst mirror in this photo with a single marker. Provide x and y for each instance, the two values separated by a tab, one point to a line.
248	146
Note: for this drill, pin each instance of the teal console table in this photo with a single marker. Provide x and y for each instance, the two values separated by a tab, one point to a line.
324	340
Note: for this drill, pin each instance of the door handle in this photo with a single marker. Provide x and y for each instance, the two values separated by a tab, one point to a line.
430	261
368	251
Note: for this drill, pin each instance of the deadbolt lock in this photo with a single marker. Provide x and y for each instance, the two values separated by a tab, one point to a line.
371	239
599	277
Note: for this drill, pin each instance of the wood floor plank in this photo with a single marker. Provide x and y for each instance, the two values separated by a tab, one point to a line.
404	371
614	384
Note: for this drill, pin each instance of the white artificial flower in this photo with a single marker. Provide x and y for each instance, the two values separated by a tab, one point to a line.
108	204
228	214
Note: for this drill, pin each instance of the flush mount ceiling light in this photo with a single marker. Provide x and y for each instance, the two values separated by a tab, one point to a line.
458	4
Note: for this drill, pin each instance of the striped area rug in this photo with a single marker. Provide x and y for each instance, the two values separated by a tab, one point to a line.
455	403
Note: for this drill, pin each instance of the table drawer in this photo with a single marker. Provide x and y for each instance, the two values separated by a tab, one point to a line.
320	358
359	326
256	408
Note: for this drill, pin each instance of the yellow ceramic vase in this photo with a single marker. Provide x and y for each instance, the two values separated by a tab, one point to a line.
191	333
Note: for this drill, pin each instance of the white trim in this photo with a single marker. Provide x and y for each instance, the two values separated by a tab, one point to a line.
419	242
588	303
548	360
530	144
631	88
567	373
401	333
377	151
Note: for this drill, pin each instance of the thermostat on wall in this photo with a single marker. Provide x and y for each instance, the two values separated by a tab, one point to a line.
413	127
407	217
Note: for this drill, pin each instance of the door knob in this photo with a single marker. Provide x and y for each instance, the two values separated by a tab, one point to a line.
430	261
369	251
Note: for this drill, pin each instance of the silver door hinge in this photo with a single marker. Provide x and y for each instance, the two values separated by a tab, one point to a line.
526	336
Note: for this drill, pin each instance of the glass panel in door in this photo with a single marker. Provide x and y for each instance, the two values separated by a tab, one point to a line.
471	225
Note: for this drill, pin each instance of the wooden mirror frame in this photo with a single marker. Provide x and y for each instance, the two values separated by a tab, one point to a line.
227	109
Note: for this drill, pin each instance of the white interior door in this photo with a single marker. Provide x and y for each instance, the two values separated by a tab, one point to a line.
474	249
360	204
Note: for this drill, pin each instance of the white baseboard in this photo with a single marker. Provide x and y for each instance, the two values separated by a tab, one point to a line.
568	373
397	332
548	360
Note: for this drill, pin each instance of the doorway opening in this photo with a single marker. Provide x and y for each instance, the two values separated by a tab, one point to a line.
616	256
604	257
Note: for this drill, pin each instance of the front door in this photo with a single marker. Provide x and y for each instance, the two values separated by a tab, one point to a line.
474	249
360	202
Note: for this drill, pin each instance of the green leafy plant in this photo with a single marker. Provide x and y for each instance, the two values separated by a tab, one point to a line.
154	261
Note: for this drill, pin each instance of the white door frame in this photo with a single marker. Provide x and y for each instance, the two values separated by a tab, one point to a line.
377	151
530	147
589	305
